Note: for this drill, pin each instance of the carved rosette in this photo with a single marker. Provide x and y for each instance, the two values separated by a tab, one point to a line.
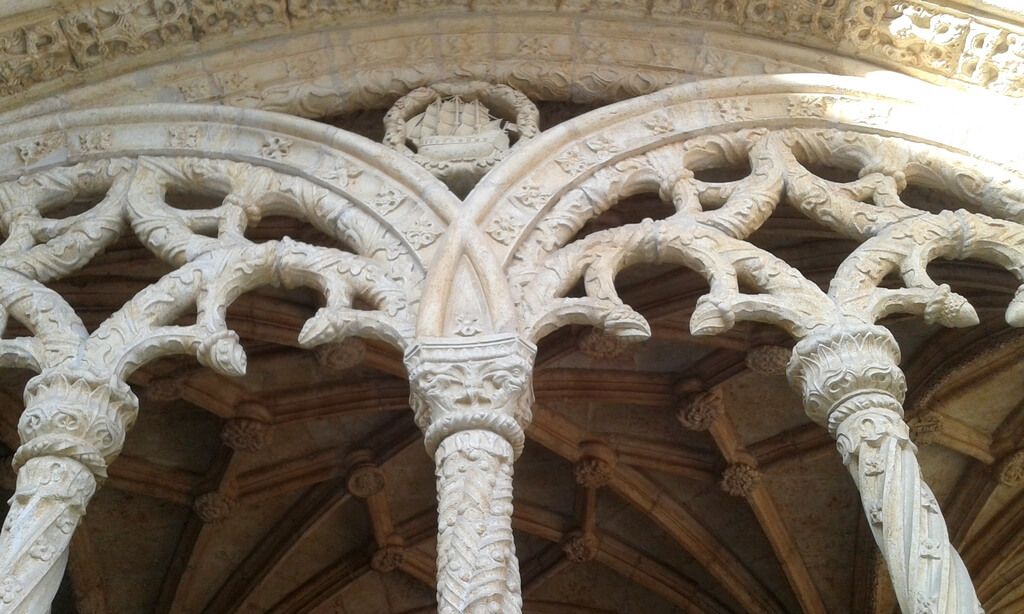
214	507
844	369
699	411
580	546
365	479
596	464
740	480
597	345
480	383
851	384
768	359
1011	470
245	435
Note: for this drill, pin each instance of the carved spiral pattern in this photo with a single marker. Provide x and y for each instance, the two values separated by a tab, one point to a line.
928	574
477	570
47	506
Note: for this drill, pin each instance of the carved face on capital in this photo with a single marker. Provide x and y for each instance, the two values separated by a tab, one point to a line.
494	385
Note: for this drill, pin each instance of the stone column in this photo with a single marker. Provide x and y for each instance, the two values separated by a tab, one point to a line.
851	384
73	425
472	398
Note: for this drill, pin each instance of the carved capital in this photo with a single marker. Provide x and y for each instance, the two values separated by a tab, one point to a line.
76	416
1011	470
740	480
245	435
699	411
214	507
482	383
848	368
768	359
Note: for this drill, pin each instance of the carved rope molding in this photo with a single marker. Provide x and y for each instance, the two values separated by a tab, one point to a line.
383	210
506	249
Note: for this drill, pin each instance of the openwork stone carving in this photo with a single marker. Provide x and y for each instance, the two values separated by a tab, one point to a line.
388	558
458	131
520	237
79	407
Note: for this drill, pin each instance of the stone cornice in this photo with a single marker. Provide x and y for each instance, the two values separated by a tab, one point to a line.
48	49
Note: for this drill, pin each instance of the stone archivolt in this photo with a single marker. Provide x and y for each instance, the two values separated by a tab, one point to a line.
514	250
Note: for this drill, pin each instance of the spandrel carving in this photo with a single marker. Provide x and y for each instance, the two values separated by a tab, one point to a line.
459	131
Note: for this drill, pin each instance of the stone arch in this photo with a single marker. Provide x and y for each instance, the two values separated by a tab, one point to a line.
535	202
232	167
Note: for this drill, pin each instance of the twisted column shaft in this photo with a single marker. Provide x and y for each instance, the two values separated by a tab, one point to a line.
47	506
927	573
71	428
472	398
851	384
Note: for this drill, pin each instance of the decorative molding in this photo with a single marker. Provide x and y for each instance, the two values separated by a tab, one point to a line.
924	38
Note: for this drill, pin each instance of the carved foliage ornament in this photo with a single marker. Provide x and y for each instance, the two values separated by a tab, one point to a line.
843	369
480	383
459	131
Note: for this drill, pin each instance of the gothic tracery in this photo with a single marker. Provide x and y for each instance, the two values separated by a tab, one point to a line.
466	289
